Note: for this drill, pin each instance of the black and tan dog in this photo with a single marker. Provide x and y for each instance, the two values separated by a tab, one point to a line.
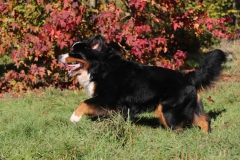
115	84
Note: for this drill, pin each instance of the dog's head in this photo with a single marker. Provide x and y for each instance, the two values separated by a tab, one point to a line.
78	59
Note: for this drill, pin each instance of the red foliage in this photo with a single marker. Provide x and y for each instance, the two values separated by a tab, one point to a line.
33	48
35	33
145	31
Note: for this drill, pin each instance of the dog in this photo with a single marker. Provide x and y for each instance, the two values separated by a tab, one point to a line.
115	84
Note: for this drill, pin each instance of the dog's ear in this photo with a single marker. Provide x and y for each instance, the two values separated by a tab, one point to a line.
98	43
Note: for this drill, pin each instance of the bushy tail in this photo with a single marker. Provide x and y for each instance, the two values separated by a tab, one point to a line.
209	69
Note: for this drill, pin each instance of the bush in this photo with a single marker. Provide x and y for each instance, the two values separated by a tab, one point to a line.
34	33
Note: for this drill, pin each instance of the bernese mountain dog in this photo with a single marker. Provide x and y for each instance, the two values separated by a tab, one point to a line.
115	84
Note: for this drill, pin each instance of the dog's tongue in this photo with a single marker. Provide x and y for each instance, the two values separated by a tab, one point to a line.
73	66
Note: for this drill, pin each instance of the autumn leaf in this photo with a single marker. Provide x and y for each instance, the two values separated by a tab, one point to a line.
78	20
74	4
210	99
62	44
175	25
209	26
48	8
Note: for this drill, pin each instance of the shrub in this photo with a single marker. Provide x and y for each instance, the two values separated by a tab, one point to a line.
35	32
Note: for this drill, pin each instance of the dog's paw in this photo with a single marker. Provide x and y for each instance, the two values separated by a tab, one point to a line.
74	118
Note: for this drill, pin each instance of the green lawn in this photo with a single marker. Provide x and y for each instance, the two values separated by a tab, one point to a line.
37	126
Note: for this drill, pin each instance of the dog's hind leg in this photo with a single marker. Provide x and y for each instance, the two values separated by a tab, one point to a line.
200	118
86	109
167	121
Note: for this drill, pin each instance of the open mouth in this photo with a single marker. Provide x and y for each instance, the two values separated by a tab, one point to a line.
73	67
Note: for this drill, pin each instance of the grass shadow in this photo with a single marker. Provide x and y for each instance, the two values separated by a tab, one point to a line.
98	118
153	122
147	121
141	121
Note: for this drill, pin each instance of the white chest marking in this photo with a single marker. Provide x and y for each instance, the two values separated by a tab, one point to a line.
90	89
84	80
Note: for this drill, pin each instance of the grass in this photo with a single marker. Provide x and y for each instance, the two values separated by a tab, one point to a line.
37	126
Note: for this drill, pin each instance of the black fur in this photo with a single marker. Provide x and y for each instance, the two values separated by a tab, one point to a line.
209	69
127	86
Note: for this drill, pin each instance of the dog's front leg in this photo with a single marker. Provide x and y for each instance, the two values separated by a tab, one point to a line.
87	109
82	109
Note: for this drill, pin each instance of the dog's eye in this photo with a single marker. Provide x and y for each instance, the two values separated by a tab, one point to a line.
74	63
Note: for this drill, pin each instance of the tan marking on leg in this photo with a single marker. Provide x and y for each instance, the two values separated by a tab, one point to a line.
198	96
85	109
202	121
160	115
